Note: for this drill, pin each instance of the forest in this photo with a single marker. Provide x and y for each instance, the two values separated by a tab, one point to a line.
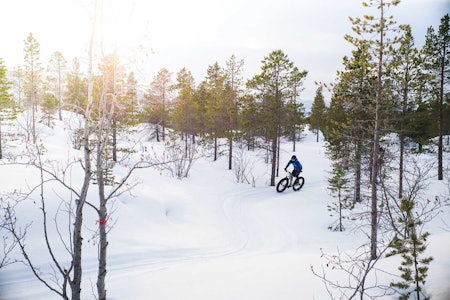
388	90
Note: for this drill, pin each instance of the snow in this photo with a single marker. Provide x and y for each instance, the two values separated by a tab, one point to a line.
206	236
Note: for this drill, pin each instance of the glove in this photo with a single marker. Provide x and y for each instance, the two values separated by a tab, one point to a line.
285	169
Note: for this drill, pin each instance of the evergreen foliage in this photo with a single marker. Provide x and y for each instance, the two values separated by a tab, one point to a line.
410	247
278	82
56	79
218	99
386	86
338	185
159	100
130	112
76	89
185	115
350	117
32	80
373	36
318	112
407	76
49	106
7	105
234	80
436	53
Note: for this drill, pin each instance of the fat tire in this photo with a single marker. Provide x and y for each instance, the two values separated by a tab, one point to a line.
298	183
282	185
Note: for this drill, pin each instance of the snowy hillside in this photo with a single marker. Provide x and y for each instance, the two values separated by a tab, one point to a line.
206	236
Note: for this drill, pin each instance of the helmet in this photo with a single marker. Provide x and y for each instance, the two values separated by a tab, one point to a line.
293	157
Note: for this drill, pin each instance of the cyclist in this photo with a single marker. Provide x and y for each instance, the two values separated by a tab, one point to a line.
296	164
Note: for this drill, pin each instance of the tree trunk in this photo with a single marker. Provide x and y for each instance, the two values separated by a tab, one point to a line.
273	160
358	173
114	140
400	169
33	115
102	215
441	117
215	146
77	241
230	154
294	139
376	144
59	93
278	155
402	142
1	151
157	132
75	284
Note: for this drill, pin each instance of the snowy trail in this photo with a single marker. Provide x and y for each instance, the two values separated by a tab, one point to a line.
207	237
246	221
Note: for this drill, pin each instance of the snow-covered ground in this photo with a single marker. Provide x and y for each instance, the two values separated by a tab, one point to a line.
208	237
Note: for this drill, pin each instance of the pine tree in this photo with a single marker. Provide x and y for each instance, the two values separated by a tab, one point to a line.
293	110
129	102
317	116
249	122
160	95
77	87
186	114
112	87
437	56
56	78
234	80
407	77
410	247
17	81
380	47
32	72
218	104
338	187
7	105
293	121
350	116
273	87
49	105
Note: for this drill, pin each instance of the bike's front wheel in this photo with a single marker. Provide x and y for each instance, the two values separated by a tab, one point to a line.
282	185
298	183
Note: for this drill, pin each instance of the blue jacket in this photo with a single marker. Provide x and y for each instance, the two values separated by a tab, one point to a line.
297	165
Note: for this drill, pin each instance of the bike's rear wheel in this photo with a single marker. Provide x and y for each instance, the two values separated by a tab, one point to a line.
298	183
282	185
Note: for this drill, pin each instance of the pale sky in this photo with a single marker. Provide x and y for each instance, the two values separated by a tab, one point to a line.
150	35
